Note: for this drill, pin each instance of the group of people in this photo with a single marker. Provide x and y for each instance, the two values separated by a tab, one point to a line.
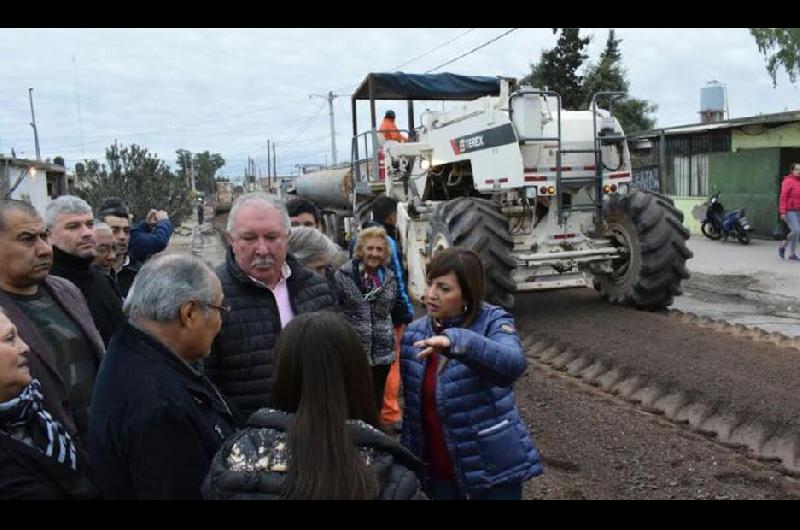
268	377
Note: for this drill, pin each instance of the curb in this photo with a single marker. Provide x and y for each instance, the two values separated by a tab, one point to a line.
737	330
710	283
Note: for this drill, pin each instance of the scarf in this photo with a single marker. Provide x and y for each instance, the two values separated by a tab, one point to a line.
48	435
370	280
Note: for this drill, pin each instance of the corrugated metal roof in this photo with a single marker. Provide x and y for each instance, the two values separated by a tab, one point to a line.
763	119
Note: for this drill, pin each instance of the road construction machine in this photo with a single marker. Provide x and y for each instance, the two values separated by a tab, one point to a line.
541	193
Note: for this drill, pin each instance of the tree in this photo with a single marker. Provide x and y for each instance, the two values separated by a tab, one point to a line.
141	178
558	68
204	165
781	48
609	76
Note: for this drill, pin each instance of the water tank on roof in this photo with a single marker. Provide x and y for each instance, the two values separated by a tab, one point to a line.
712	97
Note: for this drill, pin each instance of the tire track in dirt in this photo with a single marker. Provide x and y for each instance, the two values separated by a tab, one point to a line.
716	379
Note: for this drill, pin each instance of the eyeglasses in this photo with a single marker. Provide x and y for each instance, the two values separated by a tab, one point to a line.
104	250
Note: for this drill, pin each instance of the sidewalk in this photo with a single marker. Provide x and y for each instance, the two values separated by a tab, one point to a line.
754	271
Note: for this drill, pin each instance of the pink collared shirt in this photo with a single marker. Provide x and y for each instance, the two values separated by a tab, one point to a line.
281	294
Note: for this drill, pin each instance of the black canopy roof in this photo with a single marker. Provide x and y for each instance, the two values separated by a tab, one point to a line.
444	86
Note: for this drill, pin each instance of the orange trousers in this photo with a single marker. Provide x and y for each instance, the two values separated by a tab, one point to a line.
390	413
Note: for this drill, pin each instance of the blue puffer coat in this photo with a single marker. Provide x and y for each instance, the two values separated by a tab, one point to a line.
485	435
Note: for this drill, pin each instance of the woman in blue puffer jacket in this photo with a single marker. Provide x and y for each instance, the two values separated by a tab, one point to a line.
458	366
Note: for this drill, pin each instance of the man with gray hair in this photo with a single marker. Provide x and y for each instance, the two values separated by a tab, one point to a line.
266	288
51	315
71	225
156	422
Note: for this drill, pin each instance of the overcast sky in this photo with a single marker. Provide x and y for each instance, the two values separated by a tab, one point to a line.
229	90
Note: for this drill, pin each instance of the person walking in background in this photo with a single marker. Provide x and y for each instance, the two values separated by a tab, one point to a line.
51	316
156	421
38	457
324	440
789	209
369	298
200	213
459	365
71	225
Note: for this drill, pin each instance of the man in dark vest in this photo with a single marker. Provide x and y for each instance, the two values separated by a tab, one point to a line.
265	288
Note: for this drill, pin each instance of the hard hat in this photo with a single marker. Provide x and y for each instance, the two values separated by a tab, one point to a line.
389	114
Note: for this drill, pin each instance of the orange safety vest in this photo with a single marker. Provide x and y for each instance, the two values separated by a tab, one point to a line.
389	130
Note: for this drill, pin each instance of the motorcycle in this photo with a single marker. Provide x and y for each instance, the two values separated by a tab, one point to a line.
719	224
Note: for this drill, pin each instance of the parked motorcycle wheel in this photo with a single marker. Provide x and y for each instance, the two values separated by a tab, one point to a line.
709	230
742	235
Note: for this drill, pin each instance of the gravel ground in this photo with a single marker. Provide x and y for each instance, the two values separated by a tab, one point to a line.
596	446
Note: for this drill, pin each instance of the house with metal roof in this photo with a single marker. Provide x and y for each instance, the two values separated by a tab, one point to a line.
744	158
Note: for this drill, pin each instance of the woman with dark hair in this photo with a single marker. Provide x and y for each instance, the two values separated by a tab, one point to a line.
38	457
459	365
324	441
368	294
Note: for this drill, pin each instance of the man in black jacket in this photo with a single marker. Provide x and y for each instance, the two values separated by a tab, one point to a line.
71	224
265	288
156	422
116	214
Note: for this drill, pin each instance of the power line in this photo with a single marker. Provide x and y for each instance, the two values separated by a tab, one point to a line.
439	47
473	50
184	126
435	49
307	124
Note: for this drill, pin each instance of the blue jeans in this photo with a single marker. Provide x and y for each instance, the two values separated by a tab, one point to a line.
793	220
443	490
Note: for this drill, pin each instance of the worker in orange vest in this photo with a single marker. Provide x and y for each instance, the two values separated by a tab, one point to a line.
389	129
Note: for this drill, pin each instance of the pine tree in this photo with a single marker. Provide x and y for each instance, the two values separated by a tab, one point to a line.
558	68
609	76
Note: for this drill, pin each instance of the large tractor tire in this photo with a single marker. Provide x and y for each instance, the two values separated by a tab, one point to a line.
650	230
478	224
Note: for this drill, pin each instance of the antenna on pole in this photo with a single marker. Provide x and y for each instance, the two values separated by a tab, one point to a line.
33	124
78	102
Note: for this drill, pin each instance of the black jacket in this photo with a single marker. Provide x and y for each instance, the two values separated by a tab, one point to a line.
241	360
28	474
155	423
103	300
125	276
244	476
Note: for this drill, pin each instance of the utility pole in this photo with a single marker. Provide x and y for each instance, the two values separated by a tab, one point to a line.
330	96
33	124
269	167
78	102
191	172
274	164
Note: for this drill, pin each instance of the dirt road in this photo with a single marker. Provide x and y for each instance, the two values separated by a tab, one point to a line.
598	444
